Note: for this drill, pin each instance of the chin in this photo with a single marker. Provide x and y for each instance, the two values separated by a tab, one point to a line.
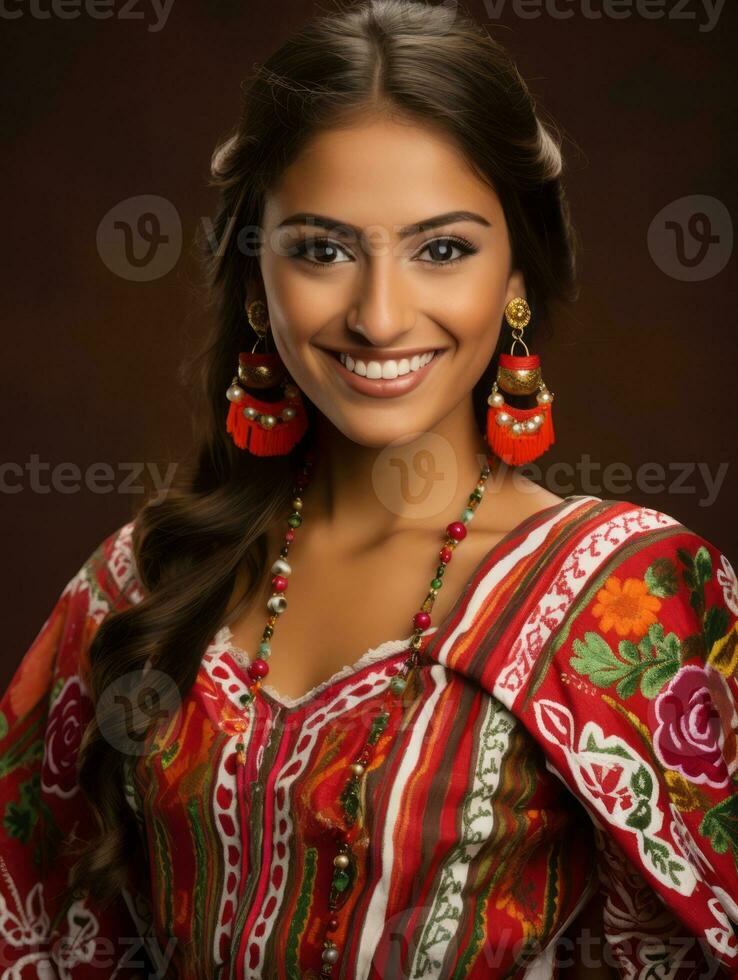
379	434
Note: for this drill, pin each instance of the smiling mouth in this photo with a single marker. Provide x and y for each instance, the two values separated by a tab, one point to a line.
386	369
387	377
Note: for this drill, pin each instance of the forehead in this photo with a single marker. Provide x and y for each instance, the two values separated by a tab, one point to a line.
380	171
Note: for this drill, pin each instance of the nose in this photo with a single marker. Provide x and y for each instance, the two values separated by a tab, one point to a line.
383	312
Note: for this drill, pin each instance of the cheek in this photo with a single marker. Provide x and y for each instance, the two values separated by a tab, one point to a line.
475	328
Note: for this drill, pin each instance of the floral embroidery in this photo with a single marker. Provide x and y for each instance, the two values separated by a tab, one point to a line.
690	737
727	581
62	740
648	666
620	784
626	607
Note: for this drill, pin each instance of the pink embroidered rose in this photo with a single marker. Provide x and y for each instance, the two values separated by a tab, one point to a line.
66	722
689	737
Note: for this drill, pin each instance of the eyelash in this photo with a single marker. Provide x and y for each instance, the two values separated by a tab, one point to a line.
300	250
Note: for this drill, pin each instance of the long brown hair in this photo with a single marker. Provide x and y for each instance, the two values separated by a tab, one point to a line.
432	65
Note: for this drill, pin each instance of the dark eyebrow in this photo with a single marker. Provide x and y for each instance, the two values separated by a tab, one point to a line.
342	228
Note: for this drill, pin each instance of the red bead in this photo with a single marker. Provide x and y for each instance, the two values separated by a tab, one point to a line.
445	554
289	535
279	583
421	620
332	925
456	530
258	668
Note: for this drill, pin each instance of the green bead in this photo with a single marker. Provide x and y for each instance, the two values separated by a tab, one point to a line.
397	684
477	494
340	881
468	514
264	649
440	571
246	698
436	583
294	520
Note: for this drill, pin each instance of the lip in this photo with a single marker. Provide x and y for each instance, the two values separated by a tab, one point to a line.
384	387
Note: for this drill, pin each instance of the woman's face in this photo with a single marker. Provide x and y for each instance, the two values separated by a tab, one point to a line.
370	286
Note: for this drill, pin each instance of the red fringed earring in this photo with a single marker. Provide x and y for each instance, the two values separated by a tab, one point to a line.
518	435
264	428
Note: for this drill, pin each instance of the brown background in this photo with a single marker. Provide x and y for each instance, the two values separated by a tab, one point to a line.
99	111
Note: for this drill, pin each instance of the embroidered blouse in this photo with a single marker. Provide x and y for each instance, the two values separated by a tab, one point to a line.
569	736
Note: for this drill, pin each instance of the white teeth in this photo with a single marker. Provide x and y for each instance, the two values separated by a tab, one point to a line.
386	369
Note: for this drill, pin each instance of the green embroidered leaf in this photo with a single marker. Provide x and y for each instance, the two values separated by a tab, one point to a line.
664	659
30	790
629	651
618	750
3	725
697	572
657	677
640	818
720	824
596	660
715	624
651	664
659	854
22	755
19	822
21	817
661	578
641	782
703	565
628	685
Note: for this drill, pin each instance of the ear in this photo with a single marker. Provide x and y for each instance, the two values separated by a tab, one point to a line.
515	286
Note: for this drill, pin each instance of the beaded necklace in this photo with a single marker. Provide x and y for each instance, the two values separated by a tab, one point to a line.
344	862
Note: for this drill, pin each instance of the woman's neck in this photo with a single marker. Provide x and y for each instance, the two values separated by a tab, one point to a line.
368	492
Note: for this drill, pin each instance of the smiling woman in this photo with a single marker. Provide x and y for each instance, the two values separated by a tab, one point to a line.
355	699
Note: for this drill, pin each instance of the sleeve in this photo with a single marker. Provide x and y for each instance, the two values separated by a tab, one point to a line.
635	706
43	714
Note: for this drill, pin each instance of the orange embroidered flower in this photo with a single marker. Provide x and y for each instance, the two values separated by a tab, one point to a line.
627	607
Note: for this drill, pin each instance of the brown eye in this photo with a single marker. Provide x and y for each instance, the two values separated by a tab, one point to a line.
442	250
319	251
